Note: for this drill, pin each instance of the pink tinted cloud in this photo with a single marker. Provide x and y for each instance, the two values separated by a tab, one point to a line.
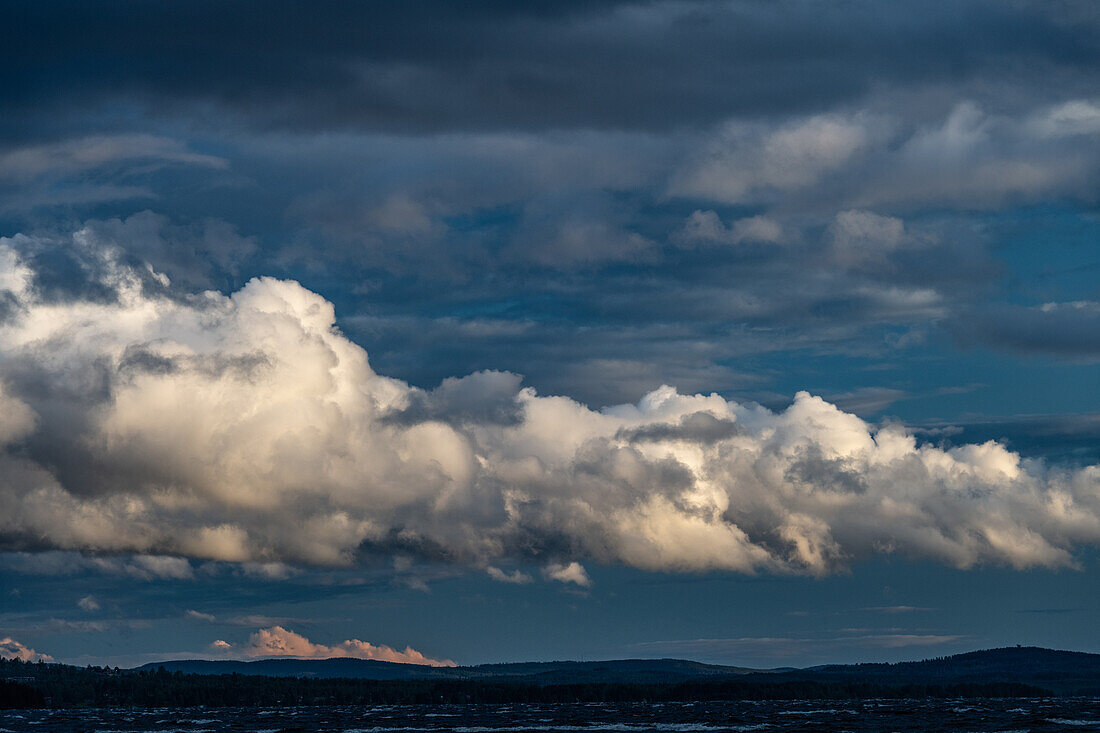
12	649
277	641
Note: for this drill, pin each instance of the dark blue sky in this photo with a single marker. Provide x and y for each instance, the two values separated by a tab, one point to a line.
890	206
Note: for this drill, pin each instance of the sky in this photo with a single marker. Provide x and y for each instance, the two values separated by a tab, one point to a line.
757	333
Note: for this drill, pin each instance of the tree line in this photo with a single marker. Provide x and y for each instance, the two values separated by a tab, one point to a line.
62	686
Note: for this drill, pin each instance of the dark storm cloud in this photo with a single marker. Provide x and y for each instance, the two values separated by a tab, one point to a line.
440	65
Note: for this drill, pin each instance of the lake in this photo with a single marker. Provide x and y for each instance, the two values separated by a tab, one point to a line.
1036	715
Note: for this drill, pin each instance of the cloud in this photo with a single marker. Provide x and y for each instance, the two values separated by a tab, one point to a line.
516	577
88	603
867	399
248	429
959	157
568	232
546	212
72	156
1074	438
12	649
897	609
138	566
574	572
151	566
858	236
706	227
279	642
267	570
1066	329
780	648
743	161
533	65
191	256
1070	119
65	626
255	620
84	171
200	616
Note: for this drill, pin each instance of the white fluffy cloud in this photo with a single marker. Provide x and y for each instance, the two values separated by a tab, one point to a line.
279	642
574	572
12	649
247	428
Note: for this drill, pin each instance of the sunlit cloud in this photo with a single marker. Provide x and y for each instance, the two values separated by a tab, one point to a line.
279	642
284	446
12	649
574	573
516	577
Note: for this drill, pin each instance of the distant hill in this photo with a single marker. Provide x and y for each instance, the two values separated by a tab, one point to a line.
544	673
336	668
619	670
1011	672
1062	672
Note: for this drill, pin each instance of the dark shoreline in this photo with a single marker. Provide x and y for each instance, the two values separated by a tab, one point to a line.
1013	672
153	690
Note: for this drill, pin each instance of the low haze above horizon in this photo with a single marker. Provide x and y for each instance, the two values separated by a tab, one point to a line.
753	333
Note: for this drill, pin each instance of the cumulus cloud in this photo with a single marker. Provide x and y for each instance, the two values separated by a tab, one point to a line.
88	603
574	572
279	642
12	649
246	428
189	255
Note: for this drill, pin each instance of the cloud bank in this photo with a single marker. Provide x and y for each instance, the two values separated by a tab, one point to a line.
12	649
279	642
247	428
534	65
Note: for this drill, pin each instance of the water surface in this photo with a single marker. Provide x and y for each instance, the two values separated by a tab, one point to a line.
1036	715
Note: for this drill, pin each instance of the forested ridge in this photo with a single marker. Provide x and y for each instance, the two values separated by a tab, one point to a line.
39	684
